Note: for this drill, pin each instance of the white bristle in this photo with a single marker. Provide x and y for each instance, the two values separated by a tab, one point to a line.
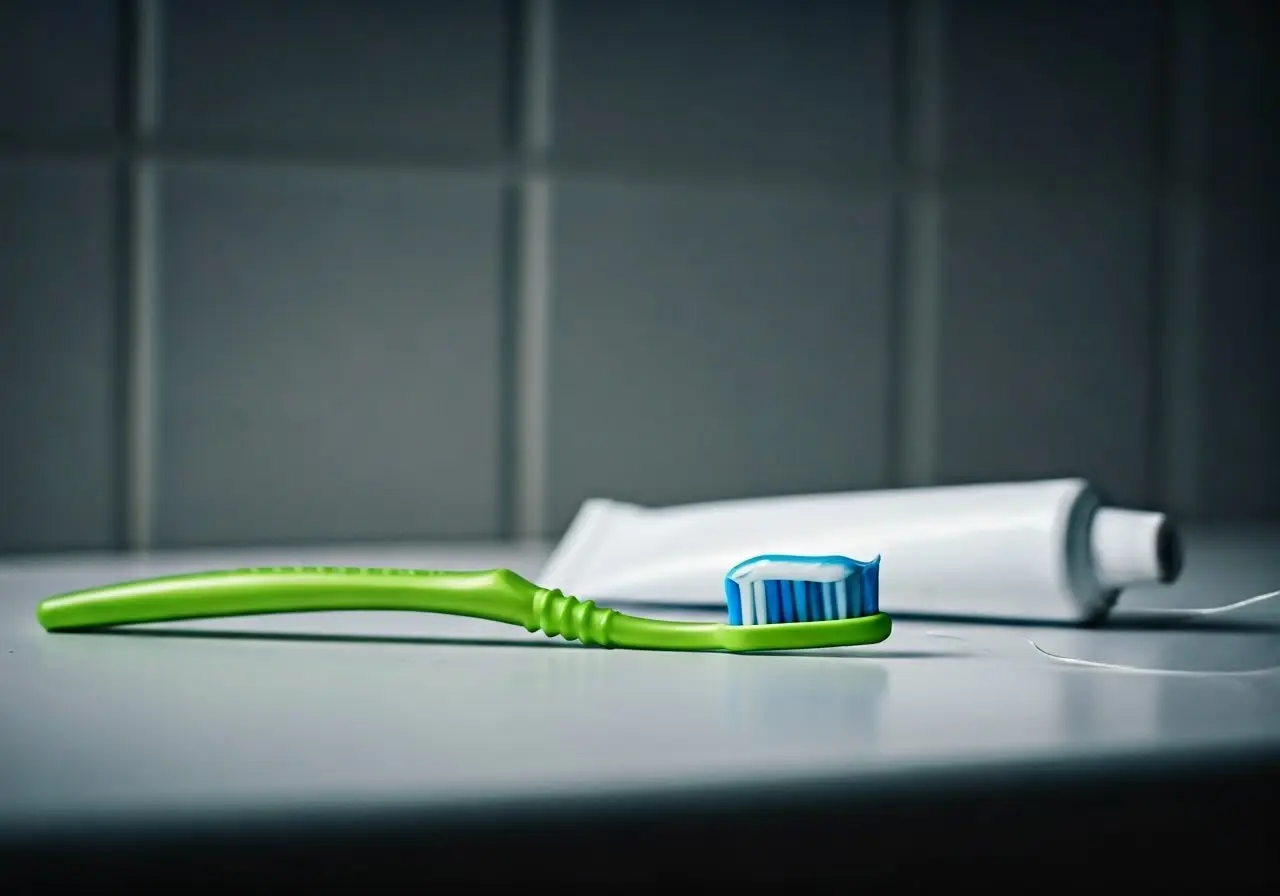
829	598
760	616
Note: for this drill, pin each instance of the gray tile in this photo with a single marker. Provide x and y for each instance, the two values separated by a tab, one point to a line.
58	67
1036	86
1243	96
1240	330
1046	355
715	343
746	83
329	357
57	358
344	74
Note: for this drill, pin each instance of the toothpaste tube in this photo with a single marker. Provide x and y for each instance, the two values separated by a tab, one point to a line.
1035	551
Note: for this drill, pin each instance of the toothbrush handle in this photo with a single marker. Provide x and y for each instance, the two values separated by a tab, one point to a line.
555	613
499	595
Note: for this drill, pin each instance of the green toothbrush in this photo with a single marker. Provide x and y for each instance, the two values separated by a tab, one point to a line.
833	606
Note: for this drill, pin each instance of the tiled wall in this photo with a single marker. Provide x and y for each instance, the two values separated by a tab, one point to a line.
372	269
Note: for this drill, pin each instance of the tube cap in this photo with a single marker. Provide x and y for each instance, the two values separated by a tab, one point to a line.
1133	547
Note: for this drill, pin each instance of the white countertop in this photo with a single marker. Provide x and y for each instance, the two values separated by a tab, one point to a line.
288	713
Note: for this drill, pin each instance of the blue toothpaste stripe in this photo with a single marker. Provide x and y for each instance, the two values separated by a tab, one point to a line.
829	600
788	601
733	599
871	589
801	592
773	601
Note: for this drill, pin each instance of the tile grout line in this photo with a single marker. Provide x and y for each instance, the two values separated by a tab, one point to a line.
142	245
533	273
916	438
1177	389
863	181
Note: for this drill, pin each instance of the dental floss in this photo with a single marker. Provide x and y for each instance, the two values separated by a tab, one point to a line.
1196	612
1118	667
1184	615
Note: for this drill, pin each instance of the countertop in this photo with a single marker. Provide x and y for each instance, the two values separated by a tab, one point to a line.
286	721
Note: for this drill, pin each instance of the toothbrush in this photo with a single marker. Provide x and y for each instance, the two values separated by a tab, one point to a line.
775	602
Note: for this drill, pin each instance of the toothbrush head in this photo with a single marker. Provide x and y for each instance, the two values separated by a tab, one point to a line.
790	602
787	588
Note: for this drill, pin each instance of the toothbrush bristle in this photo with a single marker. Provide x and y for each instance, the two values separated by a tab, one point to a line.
785	588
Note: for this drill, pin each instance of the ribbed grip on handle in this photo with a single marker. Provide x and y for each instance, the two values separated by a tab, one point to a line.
556	614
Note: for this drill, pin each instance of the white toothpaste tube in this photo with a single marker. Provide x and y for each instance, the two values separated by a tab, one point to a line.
1037	551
